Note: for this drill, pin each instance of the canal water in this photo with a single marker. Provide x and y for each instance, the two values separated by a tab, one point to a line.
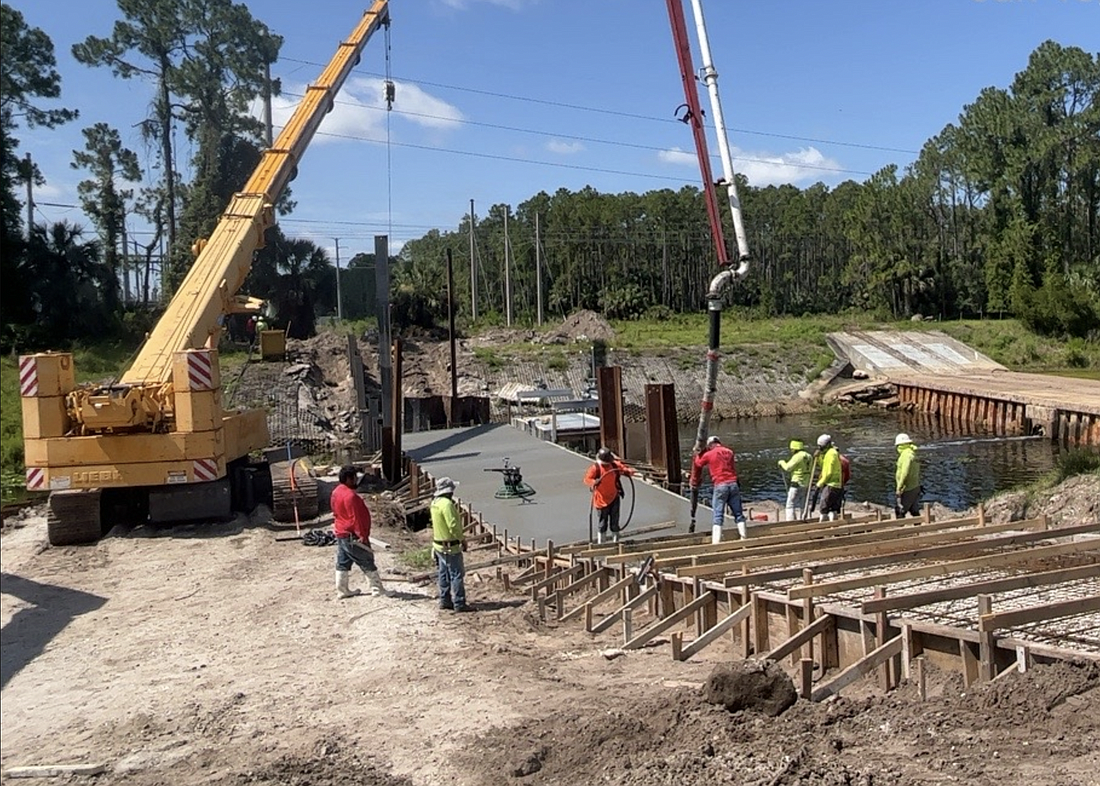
958	468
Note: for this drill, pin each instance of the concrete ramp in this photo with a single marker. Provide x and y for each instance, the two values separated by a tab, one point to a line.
897	352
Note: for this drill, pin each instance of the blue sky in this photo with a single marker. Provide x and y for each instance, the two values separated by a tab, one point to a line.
499	99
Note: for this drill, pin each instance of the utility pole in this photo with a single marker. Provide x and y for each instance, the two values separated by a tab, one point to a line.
507	272
473	267
339	296
385	343
451	340
30	195
538	269
269	134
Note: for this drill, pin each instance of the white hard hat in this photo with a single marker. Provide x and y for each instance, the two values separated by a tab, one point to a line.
445	486
712	439
824	440
902	439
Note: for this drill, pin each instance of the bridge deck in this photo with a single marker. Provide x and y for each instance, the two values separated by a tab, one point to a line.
559	510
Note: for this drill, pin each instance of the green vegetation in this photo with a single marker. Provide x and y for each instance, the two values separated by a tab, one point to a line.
417	558
1010	343
491	357
1075	462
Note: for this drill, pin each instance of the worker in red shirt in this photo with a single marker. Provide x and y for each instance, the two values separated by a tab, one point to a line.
603	478
351	526
719	460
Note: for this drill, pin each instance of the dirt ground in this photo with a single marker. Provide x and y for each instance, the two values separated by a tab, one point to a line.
217	655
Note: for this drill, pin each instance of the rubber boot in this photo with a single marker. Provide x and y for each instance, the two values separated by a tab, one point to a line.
342	590
615	537
716	533
741	530
789	512
599	538
375	582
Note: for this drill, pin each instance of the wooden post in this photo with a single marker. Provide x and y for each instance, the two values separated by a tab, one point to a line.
760	624
792	628
807	677
808	611
746	642
1023	659
969	663
922	683
881	637
986	647
906	650
628	625
677	645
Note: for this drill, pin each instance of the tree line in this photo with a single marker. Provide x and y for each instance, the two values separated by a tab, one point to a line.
998	214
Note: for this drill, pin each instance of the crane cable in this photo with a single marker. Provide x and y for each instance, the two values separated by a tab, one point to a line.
389	92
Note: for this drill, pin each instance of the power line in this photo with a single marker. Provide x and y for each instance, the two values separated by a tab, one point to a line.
627	115
581	167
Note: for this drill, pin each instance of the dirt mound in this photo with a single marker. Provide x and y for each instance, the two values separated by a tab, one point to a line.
1074	501
985	735
334	763
581	326
750	685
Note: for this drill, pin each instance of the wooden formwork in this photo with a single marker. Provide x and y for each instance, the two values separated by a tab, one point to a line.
844	599
834	601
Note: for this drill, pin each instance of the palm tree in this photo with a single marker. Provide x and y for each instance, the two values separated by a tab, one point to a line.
73	293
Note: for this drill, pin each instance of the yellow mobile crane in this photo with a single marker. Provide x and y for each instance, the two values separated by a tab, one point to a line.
157	444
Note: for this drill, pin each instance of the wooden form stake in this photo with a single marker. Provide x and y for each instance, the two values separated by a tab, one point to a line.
987	647
807	677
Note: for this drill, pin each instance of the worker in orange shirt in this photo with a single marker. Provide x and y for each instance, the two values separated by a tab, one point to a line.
604	478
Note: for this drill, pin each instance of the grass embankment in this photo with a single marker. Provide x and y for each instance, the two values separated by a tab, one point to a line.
770	343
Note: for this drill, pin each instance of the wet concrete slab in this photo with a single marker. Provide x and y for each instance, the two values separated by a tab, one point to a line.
559	510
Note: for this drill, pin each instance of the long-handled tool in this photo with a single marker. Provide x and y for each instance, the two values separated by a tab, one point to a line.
807	506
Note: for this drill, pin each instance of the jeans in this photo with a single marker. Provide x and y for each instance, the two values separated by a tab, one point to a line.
349	551
609	516
727	494
452	579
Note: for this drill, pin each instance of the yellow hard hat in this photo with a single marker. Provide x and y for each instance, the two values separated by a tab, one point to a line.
796	444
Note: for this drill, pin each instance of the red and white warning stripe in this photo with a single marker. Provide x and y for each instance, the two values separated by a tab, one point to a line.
36	478
28	376
200	371
205	469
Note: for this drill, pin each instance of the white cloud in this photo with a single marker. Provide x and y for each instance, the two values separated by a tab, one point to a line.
676	156
564	148
807	165
360	111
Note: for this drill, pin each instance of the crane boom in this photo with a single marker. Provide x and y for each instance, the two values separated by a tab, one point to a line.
192	315
158	445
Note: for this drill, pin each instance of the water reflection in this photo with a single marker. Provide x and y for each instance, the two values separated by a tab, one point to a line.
959	467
